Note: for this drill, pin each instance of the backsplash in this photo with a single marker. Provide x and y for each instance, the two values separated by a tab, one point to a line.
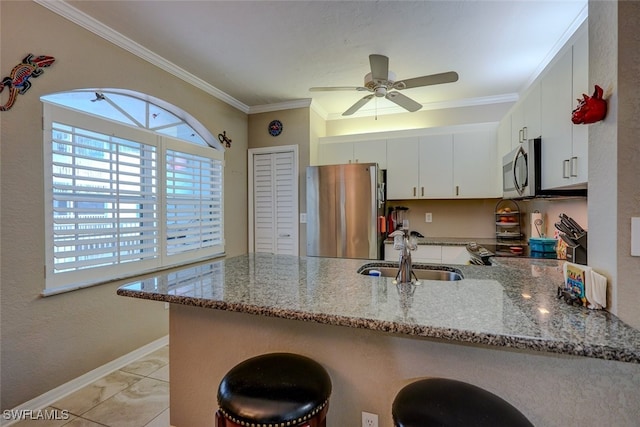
476	217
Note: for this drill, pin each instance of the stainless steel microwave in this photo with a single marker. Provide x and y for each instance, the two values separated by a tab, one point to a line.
522	174
519	170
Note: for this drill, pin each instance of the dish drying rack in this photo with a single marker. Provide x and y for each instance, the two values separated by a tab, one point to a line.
508	227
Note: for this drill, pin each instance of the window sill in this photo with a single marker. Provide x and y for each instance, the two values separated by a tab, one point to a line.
77	286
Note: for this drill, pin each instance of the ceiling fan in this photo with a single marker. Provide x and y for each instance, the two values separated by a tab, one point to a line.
381	83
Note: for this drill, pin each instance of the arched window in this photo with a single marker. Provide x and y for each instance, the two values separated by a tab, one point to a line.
133	185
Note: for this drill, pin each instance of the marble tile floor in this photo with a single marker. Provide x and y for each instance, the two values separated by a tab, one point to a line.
136	395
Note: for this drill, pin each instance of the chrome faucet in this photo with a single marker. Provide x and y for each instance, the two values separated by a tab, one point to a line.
403	243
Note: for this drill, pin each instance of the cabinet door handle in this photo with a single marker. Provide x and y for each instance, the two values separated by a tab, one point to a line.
566	169
457	190
524	134
574	166
422	191
520	136
414	191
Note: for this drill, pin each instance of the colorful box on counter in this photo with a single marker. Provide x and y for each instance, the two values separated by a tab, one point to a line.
584	286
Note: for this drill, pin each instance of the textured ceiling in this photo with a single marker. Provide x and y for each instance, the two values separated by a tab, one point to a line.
269	52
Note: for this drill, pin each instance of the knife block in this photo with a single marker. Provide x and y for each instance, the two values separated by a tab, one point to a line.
578	254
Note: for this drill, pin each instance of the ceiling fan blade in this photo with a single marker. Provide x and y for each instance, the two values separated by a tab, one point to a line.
355	107
379	67
403	101
337	88
433	79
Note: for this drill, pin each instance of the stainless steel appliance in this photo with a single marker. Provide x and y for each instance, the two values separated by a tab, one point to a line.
345	208
522	174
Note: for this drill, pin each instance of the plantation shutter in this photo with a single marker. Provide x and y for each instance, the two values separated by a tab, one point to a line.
122	201
286	241
264	203
193	202
104	200
274	203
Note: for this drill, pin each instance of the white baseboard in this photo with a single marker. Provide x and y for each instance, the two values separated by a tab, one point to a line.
48	398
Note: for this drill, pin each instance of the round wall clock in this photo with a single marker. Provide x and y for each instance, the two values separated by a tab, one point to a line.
275	128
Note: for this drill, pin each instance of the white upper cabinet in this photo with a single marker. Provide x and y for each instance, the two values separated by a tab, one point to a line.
403	168
475	172
371	152
564	145
420	167
580	133
504	138
335	153
339	153
436	167
443	166
523	121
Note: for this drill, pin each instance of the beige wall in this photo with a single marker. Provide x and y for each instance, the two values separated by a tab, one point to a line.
296	131
367	369
49	341
419	120
614	153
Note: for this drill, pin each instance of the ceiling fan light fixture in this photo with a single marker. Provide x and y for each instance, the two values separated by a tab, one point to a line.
372	84
382	84
380	91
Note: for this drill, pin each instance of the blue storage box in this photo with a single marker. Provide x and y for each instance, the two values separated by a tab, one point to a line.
542	244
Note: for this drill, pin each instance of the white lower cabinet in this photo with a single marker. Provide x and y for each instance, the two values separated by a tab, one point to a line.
432	254
455	255
427	253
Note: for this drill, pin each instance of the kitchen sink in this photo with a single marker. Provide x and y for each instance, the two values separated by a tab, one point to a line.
421	272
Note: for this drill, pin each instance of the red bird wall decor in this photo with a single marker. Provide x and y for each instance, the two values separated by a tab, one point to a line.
590	109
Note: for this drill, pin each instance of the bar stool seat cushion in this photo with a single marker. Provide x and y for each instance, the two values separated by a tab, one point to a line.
274	389
449	403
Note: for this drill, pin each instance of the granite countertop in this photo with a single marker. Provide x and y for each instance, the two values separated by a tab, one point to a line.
511	304
459	241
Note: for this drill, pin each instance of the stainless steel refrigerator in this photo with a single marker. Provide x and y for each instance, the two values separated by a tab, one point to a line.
345	205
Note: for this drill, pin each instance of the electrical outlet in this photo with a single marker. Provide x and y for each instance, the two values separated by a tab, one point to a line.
428	217
369	419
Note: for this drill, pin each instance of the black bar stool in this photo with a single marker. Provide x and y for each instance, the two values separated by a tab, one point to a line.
274	390
449	403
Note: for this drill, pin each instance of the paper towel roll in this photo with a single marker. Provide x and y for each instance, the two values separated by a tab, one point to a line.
538	231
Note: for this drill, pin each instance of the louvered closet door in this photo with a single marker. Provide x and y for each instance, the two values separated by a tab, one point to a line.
274	198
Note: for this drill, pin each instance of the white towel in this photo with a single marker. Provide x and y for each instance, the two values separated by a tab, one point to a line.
598	291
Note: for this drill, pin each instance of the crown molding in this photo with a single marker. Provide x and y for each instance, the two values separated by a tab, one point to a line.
287	105
74	15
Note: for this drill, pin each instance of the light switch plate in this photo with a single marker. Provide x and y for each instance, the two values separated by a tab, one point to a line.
635	236
428	217
303	218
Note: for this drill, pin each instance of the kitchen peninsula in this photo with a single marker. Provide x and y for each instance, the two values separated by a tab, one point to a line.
500	328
